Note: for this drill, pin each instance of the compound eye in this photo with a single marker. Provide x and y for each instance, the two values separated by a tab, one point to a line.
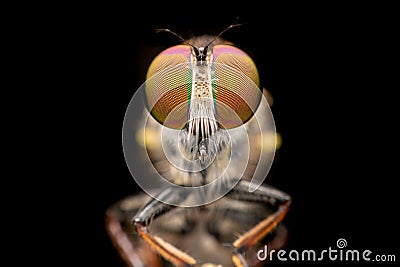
235	85
168	86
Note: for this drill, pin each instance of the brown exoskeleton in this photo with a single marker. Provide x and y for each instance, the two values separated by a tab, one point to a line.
209	143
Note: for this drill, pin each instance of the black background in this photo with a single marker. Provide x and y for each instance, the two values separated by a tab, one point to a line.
330	71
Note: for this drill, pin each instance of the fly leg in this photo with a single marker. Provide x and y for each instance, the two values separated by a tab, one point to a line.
265	194
152	210
118	222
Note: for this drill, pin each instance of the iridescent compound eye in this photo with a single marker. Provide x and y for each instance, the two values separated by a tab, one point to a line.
234	81
169	85
236	85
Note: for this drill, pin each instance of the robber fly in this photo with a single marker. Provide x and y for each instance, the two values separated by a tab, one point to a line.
199	138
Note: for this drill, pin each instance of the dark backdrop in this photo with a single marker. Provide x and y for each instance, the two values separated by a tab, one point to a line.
330	75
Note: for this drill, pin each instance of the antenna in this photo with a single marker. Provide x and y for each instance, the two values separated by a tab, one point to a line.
179	37
171	32
200	54
223	31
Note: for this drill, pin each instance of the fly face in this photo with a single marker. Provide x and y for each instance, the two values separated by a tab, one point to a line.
199	138
204	89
